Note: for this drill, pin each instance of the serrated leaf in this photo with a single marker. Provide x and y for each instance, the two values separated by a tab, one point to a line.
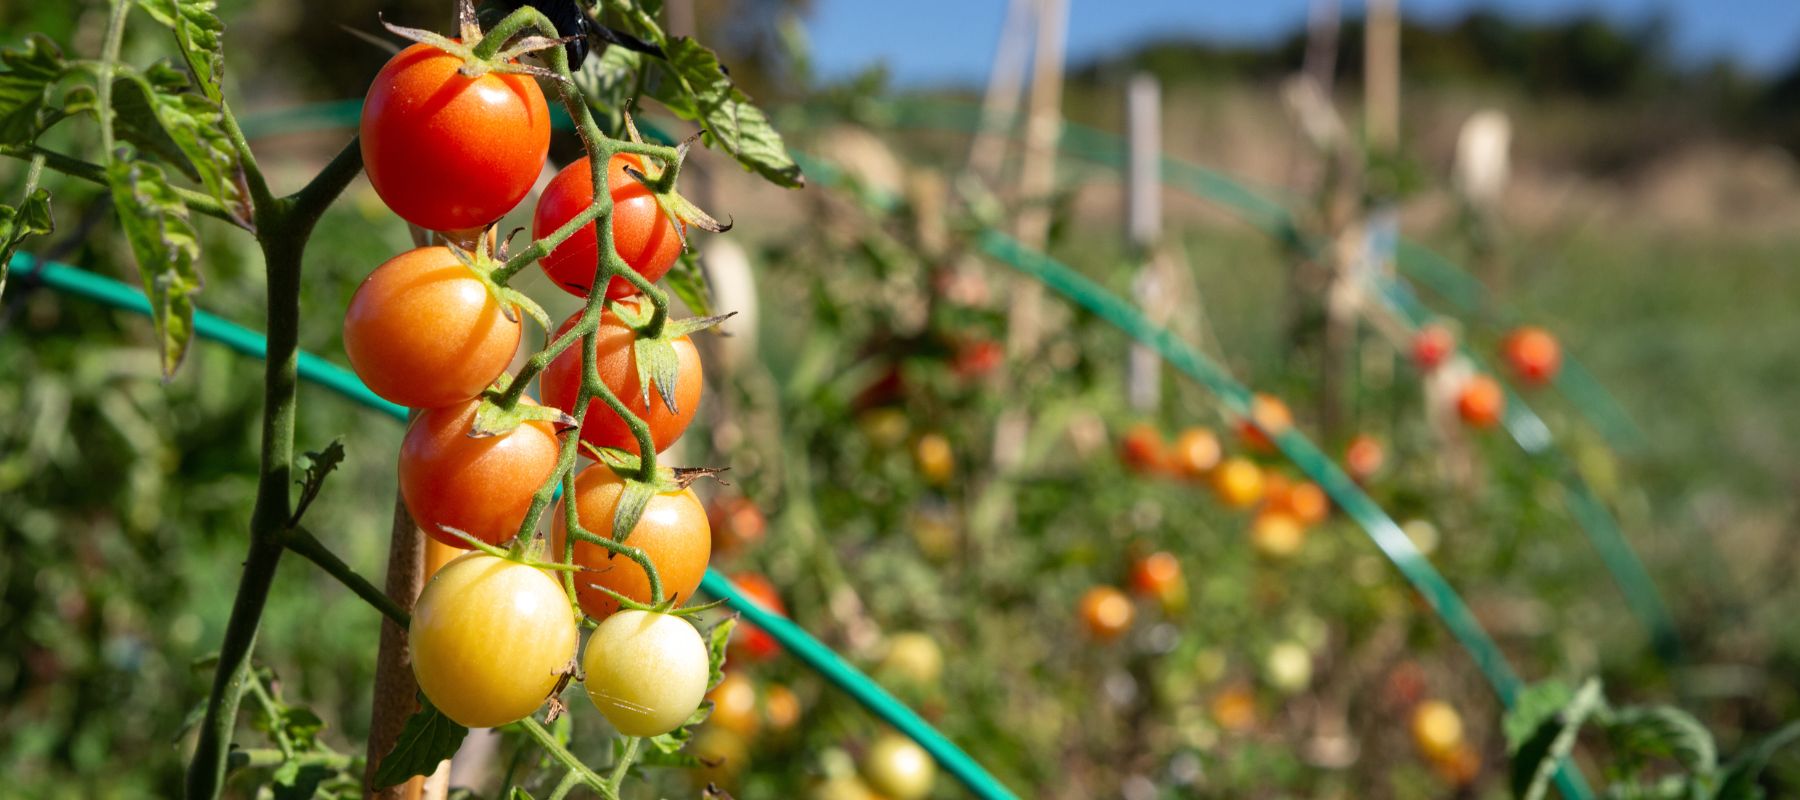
316	464
656	757
610	81
632	501
428	738
302	726
27	76
1538	757
718	641
657	365
677	328
688	282
165	246
183	129
1742	772
30	218
673	741
1663	732
697	89
199	32
1535	703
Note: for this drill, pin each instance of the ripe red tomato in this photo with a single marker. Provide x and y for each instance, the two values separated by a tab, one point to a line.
1142	449
1363	457
481	487
1271	416
977	357
1195	453
1533	355
423	331
736	523
1481	402
672	531
749	642
616	361
643	235
1432	346
446	151
1106	613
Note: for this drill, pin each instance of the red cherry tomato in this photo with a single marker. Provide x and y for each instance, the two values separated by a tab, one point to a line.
749	642
446	151
1533	355
1481	402
1143	450
645	237
1432	346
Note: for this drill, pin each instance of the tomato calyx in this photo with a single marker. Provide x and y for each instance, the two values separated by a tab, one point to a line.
638	491
496	415
483	266
478	60
658	363
659	181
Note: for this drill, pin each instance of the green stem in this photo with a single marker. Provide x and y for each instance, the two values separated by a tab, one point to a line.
536	731
308	546
267	758
570	780
620	769
253	175
109	59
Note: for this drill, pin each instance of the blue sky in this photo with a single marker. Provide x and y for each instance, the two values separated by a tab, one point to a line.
946	41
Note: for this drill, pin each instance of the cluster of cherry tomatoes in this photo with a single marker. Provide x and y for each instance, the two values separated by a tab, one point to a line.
452	150
1531	353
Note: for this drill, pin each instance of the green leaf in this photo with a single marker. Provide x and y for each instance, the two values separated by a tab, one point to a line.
315	465
610	82
184	129
30	218
1662	732
166	247
199	32
697	89
300	782
655	756
1742	772
688	282
658	365
26	77
428	738
1536	703
519	793
677	328
1537	758
718	640
632	502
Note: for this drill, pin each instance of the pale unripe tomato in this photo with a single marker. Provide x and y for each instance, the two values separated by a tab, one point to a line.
898	768
913	657
646	672
1288	667
1436	728
1276	534
489	639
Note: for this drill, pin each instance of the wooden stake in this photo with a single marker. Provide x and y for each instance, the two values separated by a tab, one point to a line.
1381	76
1143	227
1006	83
1037	175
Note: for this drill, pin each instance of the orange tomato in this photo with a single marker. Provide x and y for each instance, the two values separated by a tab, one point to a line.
1156	575
673	532
1106	613
734	705
1533	355
1195	453
1268	416
736	523
1277	534
1481	402
481	487
1363	457
935	459
1234	709
1142	449
1432	345
749	642
1305	501
616	362
423	331
781	706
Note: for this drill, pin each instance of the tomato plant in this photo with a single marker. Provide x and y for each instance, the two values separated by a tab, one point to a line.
489	639
1364	457
645	671
424	331
913	657
643	233
736	523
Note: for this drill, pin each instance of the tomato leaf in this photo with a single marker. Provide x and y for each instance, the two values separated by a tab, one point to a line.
655	756
199	32
610	82
30	218
428	738
658	365
694	86
166	247
688	282
183	129
677	328
314	466
296	782
632	502
26	77
1535	704
718	640
1662	732
1536	759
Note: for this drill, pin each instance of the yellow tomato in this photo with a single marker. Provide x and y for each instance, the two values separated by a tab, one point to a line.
489	637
